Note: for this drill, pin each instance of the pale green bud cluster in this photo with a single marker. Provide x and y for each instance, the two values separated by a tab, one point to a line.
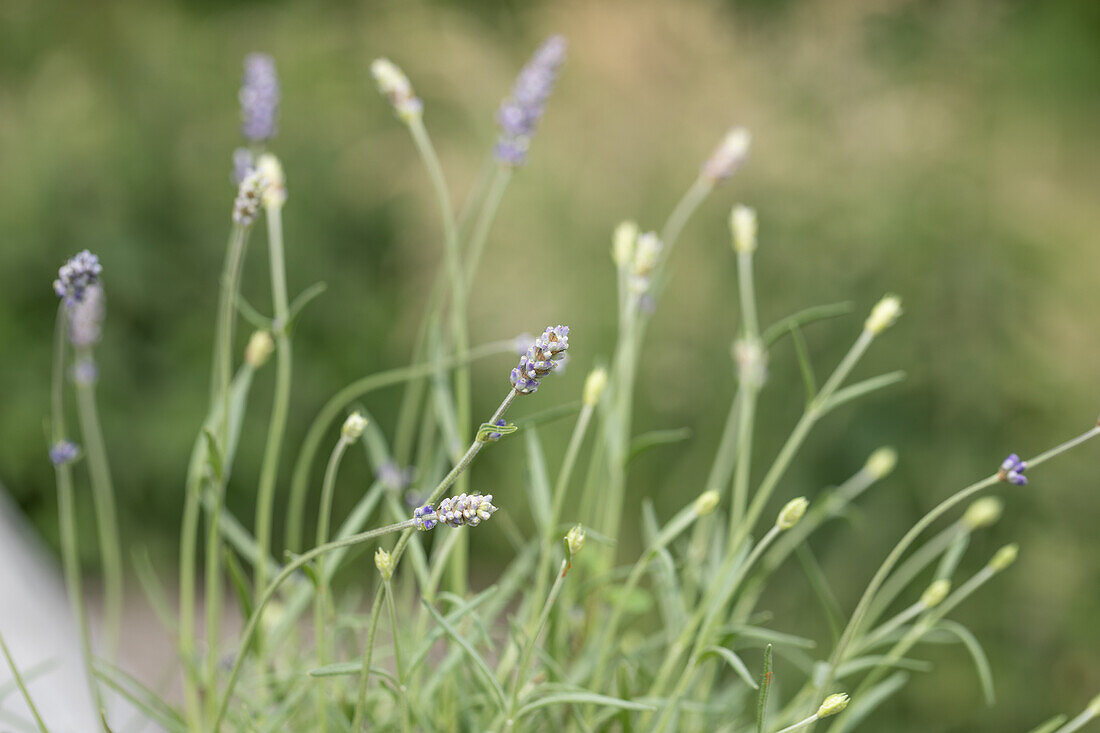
881	463
705	503
393	83
622	244
594	385
935	593
883	315
983	513
833	704
791	513
384	562
743	227
574	539
260	346
353	427
272	170
1004	557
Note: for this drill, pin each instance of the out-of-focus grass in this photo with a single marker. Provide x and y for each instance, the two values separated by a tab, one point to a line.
945	151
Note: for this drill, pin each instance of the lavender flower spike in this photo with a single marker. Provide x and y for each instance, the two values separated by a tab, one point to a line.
728	157
541	359
464	510
75	277
259	97
86	318
520	113
249	197
1012	470
63	452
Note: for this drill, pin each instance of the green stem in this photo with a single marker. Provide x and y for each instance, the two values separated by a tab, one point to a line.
532	641
22	687
103	497
276	429
368	655
399	662
485	220
800	724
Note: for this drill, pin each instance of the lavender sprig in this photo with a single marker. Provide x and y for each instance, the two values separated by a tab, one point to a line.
259	98
75	278
519	114
541	358
464	510
1012	470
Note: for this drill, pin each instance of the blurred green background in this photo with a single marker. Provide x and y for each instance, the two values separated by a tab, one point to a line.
946	151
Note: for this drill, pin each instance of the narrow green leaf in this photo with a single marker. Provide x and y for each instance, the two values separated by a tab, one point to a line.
820	585
550	415
582	698
859	389
479	662
805	366
781	328
538	480
154	593
213	453
860	708
304	298
641	443
345	669
258	320
871	661
140	696
951	559
734	661
764	687
454	616
981	662
1051	725
22	686
770	636
240	582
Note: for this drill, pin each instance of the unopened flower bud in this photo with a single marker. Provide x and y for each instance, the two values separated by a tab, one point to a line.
575	539
353	427
728	157
249	195
384	562
272	170
260	346
832	705
1004	557
883	315
881	463
594	385
791	513
983	513
393	83
622	243
647	254
743	227
706	503
934	594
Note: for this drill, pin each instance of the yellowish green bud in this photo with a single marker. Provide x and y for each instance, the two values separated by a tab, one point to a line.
706	503
594	385
883	315
881	463
791	513
622	243
574	538
1004	557
833	704
384	562
260	346
271	169
743	227
934	594
353	427
983	513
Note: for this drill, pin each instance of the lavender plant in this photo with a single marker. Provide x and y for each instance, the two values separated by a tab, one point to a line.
555	641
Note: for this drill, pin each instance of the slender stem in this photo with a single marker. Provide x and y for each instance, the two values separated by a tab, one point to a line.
269	593
743	469
22	687
103	497
398	660
368	654
485	220
189	532
265	495
532	641
747	292
680	215
800	724
65	509
1080	721
907	540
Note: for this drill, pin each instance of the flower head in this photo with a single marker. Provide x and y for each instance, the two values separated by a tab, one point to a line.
881	463
728	157
259	97
464	510
520	113
792	513
574	538
1004	557
353	427
743	227
86	317
1012	470
272	170
832	705
63	451
705	503
493	437
260	346
541	358
983	512
883	315
384	562
393	83
935	593
249	196
75	278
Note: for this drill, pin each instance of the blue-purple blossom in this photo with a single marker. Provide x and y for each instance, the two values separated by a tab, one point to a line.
425	517
520	113
1012	470
259	97
243	164
63	451
86	317
75	277
496	436
541	358
464	510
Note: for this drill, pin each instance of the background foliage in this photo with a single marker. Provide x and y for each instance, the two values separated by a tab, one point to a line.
944	151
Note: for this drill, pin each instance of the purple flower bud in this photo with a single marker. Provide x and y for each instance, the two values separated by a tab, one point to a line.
425	517
63	452
541	358
496	436
259	97
1012	470
466	510
520	113
76	276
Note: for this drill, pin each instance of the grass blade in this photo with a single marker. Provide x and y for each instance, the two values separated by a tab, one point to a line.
734	661
538	480
859	389
476	658
981	662
582	698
